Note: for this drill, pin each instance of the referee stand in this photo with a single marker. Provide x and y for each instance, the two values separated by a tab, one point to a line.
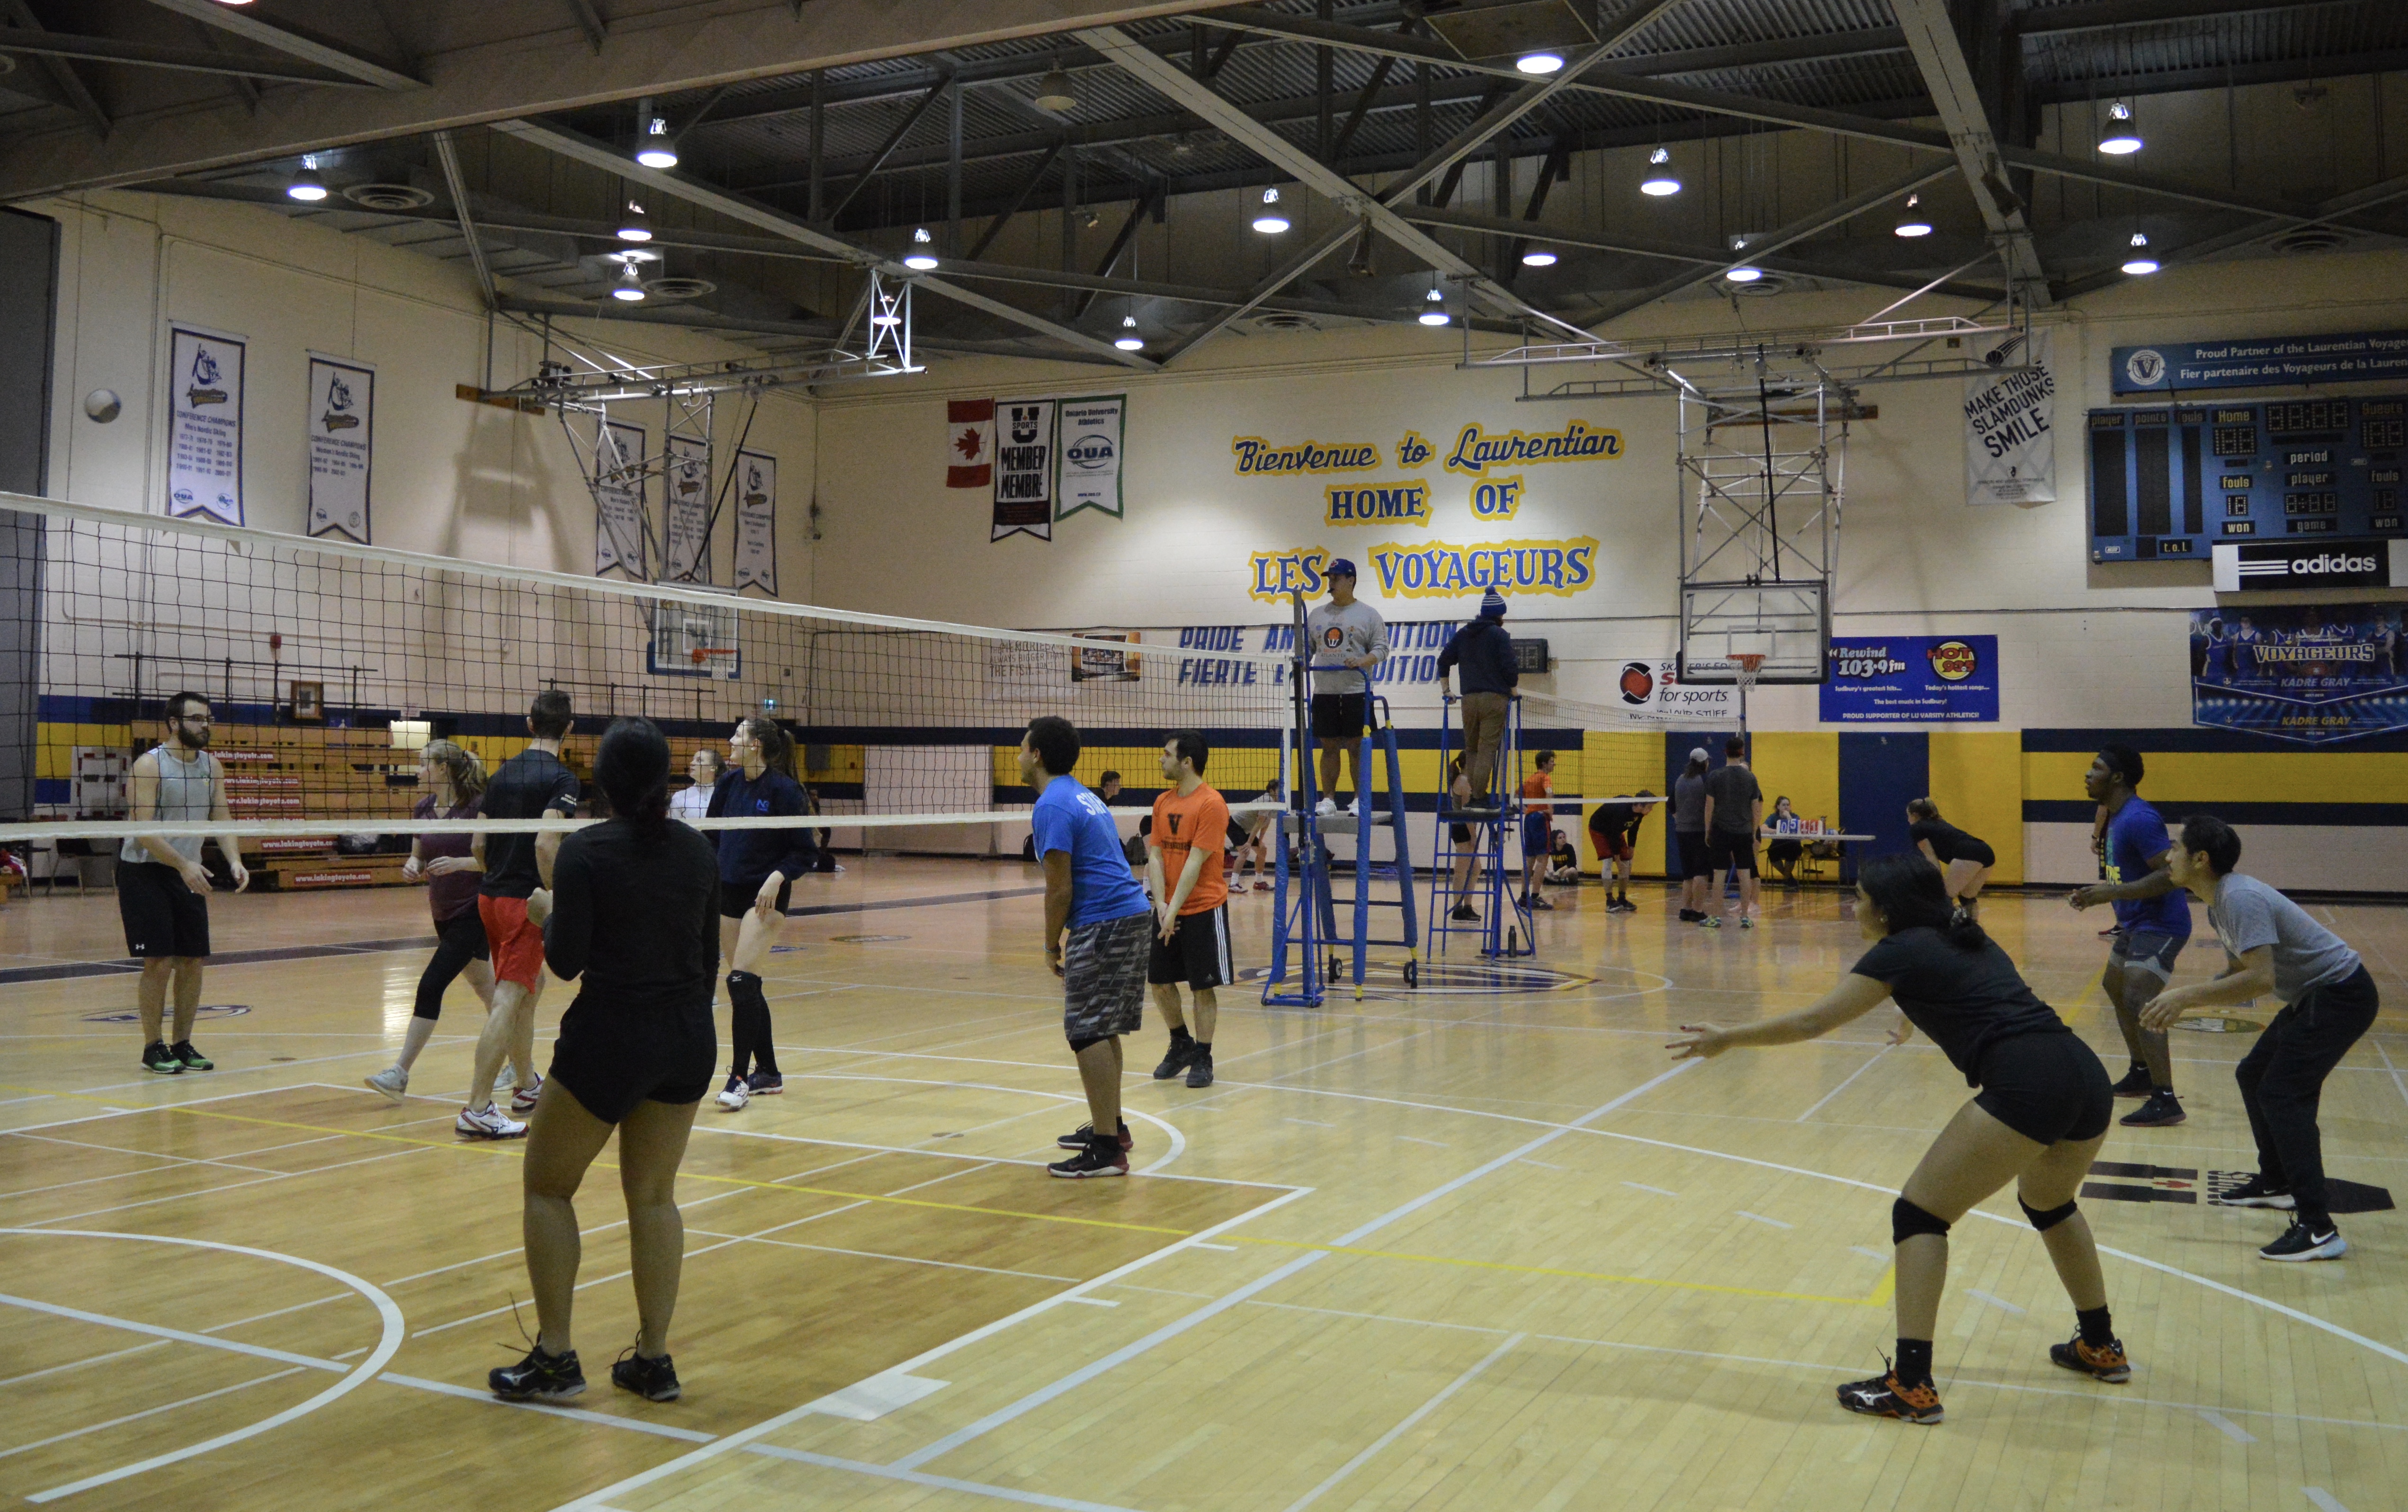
1503	928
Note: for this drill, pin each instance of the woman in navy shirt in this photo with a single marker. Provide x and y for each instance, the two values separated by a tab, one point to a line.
756	872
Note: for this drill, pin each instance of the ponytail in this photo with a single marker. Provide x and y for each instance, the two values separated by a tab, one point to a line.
1912	894
776	747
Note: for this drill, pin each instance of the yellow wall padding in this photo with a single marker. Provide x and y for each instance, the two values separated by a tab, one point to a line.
1804	765
1977	780
1611	763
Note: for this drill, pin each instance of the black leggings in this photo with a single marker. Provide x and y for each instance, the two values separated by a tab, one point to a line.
2282	1080
457	942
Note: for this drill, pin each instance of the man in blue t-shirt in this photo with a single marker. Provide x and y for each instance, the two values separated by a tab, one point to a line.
2152	925
1091	895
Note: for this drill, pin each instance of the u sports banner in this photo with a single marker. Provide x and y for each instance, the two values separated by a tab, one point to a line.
342	446
2011	430
2305	673
205	371
1024	468
687	479
619	503
756	522
1091	432
1912	679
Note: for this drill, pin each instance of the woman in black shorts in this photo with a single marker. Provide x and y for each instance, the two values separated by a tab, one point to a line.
756	874
2041	1116
633	911
1964	860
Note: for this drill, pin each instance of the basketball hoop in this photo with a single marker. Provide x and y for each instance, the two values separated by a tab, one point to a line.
1746	664
701	654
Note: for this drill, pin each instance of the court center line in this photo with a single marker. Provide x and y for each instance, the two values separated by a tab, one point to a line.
597	1500
1372	1449
1835	1092
1047	1393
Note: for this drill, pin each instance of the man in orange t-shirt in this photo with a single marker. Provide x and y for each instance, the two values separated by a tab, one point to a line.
1191	904
1537	819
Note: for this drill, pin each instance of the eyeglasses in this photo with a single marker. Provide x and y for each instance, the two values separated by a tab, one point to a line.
195	719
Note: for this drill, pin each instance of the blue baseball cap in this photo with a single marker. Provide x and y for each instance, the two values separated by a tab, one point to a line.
1338	567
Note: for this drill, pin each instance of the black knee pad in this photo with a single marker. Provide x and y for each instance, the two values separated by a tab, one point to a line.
2051	1218
744	987
1906	1221
1079	1047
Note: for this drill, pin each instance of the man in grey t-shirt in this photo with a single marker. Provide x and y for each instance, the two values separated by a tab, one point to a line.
1348	639
1734	814
2271	946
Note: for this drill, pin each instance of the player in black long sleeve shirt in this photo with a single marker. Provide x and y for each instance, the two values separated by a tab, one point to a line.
756	872
638	921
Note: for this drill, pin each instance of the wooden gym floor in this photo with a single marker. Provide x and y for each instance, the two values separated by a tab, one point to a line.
1480	1247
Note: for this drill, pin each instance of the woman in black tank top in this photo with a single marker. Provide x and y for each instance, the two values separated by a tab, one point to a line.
1964	860
2039	1120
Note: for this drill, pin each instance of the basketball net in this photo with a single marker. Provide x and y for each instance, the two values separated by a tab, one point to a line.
1749	663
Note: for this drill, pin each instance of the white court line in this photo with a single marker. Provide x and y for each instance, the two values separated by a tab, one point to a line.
906	1260
1314	1122
597	1500
1761	1218
601	1419
2000	1303
1544	1166
277	1066
2226	1426
150	1412
1845	1085
387	1342
1076	1378
285	1357
231	1186
2323	1500
155	1108
2396	1078
1405	1427
1644	1186
1434	1143
915	1478
1869	1254
1093	1302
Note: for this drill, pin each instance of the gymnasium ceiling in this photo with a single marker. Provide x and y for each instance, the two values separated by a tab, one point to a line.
816	135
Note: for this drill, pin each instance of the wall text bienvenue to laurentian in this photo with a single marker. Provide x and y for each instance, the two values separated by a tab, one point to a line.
1477	450
1411	660
1258	458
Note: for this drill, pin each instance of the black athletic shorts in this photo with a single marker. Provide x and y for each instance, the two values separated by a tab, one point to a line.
610	1058
1196	953
1340	715
162	916
735	902
1726	851
2045	1087
1696	860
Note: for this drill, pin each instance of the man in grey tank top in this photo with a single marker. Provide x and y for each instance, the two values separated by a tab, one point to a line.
163	890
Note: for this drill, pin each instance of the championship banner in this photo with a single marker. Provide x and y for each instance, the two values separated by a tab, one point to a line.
1024	468
1092	431
205	424
969	443
686	506
756	522
2011	430
342	446
619	507
1912	679
2303	673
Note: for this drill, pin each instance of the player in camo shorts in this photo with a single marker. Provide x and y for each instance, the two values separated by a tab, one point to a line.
1091	893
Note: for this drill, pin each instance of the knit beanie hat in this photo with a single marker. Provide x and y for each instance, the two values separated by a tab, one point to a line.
1493	606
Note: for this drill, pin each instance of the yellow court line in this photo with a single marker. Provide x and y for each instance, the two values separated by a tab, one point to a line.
1880	1295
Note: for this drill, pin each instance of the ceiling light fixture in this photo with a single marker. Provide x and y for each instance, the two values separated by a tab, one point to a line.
1271	222
2122	137
1744	274
1054	91
307	186
634	225
1914	222
630	286
1539	62
1128	341
1435	312
656	151
1538	257
1660	180
922	255
2140	261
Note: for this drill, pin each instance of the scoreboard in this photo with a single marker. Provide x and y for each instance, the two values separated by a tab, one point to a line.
2168	482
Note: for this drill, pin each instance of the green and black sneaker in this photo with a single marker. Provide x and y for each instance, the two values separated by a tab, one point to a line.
191	1059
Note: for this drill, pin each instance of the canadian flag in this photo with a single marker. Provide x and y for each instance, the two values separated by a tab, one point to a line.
969	443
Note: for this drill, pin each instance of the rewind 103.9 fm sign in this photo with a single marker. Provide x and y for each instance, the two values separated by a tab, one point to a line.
1912	679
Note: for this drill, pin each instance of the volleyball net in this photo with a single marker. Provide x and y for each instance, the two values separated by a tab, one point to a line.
330	667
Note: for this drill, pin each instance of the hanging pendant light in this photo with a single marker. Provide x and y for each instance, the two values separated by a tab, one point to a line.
2139	261
1054	91
656	151
307	186
1540	62
1434	311
630	286
1271	221
922	255
1539	257
1128	341
1914	222
1660	182
633	224
2122	136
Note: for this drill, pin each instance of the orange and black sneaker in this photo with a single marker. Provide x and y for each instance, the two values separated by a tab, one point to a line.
2106	1363
1885	1396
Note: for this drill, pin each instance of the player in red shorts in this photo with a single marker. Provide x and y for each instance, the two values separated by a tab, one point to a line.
534	784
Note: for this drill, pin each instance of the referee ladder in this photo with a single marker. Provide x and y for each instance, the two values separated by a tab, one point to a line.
1503	928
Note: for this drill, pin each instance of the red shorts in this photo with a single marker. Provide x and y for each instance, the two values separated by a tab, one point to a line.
1616	849
517	944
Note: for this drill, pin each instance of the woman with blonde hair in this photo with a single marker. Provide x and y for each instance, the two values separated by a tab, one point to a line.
1964	860
451	781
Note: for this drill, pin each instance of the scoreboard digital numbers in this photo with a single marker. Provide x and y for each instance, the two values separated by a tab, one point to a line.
2168	482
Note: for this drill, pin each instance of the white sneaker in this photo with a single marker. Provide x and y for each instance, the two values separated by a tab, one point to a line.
1329	805
522	1098
505	1079
392	1081
489	1124
735	1094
